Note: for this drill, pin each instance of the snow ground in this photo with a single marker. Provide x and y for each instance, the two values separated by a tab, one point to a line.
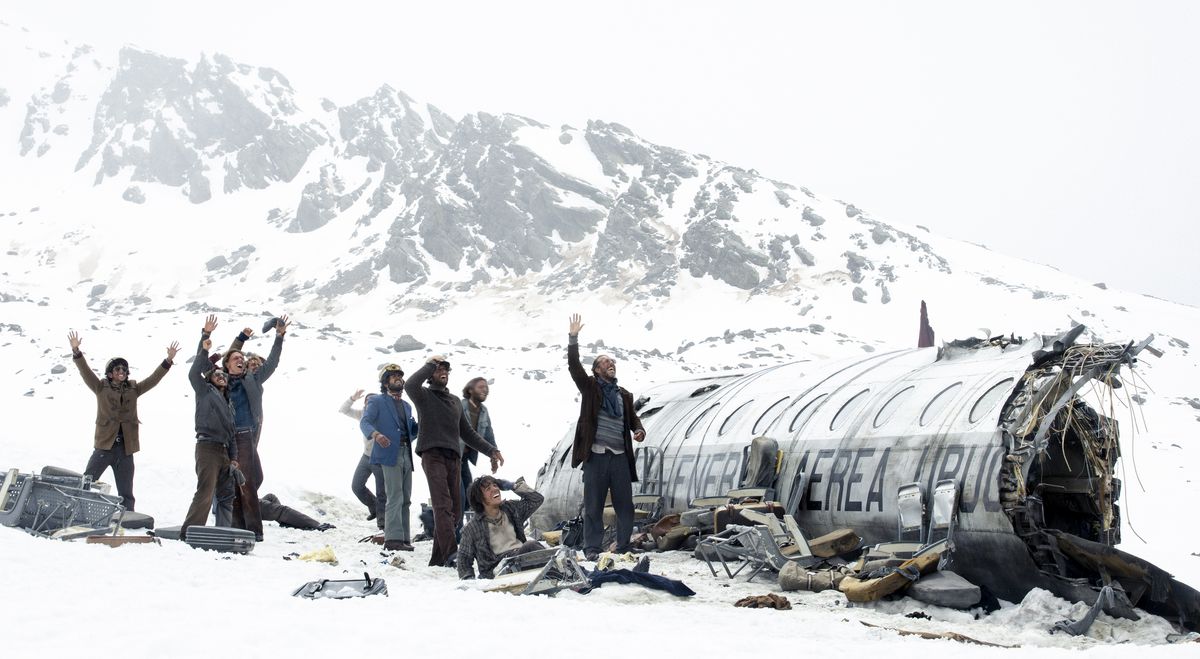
168	592
177	601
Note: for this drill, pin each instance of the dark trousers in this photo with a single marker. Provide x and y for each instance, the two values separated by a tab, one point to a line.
246	514
122	467
222	505
462	496
375	502
603	472
442	472
255	475
212	471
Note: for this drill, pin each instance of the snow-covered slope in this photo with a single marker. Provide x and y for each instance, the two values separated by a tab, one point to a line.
143	191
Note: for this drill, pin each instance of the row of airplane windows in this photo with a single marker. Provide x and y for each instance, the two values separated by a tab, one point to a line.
986	402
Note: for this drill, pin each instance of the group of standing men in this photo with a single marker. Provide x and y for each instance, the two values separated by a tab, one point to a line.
446	434
443	429
228	424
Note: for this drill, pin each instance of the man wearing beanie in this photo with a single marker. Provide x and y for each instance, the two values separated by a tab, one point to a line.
442	424
116	438
604	436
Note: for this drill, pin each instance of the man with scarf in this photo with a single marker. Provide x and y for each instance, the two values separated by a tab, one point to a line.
604	436
245	394
442	425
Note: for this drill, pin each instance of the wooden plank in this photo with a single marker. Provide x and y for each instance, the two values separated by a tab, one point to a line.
119	540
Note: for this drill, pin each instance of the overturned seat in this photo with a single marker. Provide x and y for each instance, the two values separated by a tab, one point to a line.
49	505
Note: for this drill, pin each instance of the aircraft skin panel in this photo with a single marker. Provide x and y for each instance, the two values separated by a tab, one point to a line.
710	462
851	433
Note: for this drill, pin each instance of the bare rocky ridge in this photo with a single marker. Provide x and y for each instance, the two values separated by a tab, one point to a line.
483	196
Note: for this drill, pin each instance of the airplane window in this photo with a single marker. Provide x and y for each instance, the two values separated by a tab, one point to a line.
650	412
889	408
734	416
939	403
765	420
695	423
640	403
705	389
805	412
848	410
990	398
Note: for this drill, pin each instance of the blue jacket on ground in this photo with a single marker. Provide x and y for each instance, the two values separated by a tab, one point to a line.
382	415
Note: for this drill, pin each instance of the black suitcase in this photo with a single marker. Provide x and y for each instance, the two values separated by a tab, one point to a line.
220	538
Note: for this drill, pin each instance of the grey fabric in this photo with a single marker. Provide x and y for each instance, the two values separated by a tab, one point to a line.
357	415
376	501
214	415
610	434
222	506
482	425
397	482
501	534
601	473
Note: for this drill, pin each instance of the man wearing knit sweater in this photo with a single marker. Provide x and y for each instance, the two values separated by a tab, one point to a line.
443	423
604	436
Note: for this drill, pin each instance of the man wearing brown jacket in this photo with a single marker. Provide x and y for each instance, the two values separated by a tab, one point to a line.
116	438
604	436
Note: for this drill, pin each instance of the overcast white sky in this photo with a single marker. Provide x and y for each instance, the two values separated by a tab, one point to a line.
1061	132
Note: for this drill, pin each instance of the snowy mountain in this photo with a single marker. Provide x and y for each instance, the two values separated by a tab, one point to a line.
143	191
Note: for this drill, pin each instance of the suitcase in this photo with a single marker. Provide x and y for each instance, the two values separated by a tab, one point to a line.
341	589
220	538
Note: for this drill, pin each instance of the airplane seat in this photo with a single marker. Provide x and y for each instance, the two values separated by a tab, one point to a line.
910	519
760	466
944	511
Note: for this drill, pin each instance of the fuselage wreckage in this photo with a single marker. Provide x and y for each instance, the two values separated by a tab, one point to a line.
1007	420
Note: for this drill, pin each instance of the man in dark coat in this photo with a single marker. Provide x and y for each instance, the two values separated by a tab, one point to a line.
604	436
116	438
442	425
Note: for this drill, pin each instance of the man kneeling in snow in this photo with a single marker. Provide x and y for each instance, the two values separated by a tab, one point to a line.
498	530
